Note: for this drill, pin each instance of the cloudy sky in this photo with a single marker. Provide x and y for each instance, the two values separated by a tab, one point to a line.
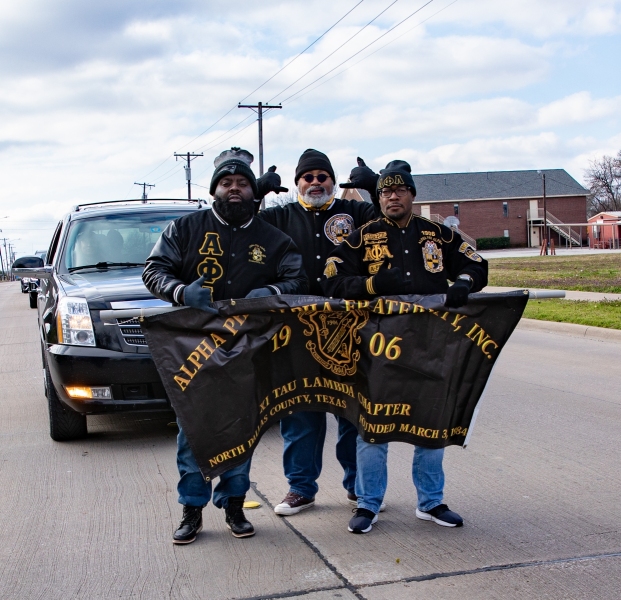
95	96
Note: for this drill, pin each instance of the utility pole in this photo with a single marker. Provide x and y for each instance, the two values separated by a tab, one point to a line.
6	259
144	189
545	215
259	109
2	261
189	156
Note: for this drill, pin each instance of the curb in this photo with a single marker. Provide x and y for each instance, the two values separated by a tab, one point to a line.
584	331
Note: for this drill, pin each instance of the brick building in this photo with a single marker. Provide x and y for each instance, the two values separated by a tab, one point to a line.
606	230
504	204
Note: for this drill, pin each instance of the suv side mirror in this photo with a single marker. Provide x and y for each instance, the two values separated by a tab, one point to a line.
31	266
28	262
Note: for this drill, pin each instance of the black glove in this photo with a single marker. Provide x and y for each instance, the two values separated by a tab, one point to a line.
197	296
457	294
363	178
390	282
260	293
270	182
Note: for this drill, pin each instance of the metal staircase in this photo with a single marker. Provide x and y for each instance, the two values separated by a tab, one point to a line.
565	231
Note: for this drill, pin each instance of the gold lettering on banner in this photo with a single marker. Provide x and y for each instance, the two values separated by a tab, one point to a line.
483	340
376	427
285	389
431	434
227	455
230	323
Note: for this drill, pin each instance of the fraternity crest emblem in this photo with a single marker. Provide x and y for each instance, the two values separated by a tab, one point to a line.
331	269
470	252
338	227
432	256
257	254
335	339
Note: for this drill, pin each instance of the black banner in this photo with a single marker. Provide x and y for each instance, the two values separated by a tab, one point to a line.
402	368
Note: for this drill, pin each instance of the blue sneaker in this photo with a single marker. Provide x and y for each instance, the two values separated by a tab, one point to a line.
362	521
441	515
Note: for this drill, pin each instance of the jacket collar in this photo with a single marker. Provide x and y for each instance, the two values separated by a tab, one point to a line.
215	214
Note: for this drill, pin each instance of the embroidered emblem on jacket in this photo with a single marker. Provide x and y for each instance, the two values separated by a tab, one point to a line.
376	252
470	252
432	255
210	267
338	227
331	269
257	254
375	267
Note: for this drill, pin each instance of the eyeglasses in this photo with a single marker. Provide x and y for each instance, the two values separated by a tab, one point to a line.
401	191
310	178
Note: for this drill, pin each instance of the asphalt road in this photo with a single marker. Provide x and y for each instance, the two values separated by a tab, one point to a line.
538	487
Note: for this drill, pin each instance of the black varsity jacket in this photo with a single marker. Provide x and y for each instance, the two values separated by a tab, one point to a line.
426	252
234	258
317	232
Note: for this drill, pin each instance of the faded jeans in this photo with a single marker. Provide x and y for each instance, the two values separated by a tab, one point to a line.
372	475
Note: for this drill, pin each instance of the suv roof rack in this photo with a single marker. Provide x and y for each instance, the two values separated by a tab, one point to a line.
138	201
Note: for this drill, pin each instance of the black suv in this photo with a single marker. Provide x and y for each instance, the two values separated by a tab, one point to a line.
94	263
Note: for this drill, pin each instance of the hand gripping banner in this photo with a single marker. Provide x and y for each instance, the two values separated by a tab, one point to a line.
403	368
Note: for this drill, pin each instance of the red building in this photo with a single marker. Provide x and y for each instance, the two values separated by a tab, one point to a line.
606	230
506	204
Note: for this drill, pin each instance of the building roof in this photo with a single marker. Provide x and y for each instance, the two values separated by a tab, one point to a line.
615	214
495	184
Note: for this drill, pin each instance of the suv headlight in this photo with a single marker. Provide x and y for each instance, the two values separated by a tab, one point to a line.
75	327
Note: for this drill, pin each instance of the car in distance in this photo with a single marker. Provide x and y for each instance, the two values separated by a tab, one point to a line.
30	285
94	263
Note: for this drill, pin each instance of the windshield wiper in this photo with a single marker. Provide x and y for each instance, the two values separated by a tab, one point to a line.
106	265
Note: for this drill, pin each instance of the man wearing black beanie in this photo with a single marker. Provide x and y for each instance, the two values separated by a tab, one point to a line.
402	253
318	222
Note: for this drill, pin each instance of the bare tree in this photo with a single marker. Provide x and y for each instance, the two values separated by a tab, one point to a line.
604	180
281	199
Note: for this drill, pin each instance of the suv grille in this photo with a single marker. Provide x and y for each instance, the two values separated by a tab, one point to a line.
131	332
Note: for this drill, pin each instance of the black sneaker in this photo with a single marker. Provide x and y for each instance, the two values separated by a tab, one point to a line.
362	521
191	524
441	515
236	520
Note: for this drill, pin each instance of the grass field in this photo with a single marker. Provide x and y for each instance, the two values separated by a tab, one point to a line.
590	273
595	314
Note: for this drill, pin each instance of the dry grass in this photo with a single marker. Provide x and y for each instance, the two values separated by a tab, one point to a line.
590	273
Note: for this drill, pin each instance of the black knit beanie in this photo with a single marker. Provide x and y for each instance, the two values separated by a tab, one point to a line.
311	160
397	172
233	162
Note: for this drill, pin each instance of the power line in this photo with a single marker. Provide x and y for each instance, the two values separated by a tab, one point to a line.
359	51
336	50
303	51
258	88
378	49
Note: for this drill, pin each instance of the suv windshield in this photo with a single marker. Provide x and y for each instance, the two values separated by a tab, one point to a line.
114	240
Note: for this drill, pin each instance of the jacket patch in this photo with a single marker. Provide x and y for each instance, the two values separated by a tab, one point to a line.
257	254
331	269
338	227
210	267
376	252
432	256
375	267
470	252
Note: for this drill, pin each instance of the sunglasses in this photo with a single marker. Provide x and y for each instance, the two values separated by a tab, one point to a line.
310	178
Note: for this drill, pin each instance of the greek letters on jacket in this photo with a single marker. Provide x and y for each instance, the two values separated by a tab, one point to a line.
427	253
317	233
234	258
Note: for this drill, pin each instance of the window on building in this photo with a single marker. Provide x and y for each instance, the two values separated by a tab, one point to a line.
456	210
505	209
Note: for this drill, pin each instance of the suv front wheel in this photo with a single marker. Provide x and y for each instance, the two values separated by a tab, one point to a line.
65	424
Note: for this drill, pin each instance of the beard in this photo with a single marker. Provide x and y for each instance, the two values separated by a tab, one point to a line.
234	212
317	201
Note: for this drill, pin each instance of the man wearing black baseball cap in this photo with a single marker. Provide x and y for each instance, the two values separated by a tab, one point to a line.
318	222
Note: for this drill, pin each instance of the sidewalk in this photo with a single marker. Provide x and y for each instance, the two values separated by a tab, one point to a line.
530	252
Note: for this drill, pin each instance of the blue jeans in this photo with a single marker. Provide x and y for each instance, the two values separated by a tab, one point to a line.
372	477
304	434
195	491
